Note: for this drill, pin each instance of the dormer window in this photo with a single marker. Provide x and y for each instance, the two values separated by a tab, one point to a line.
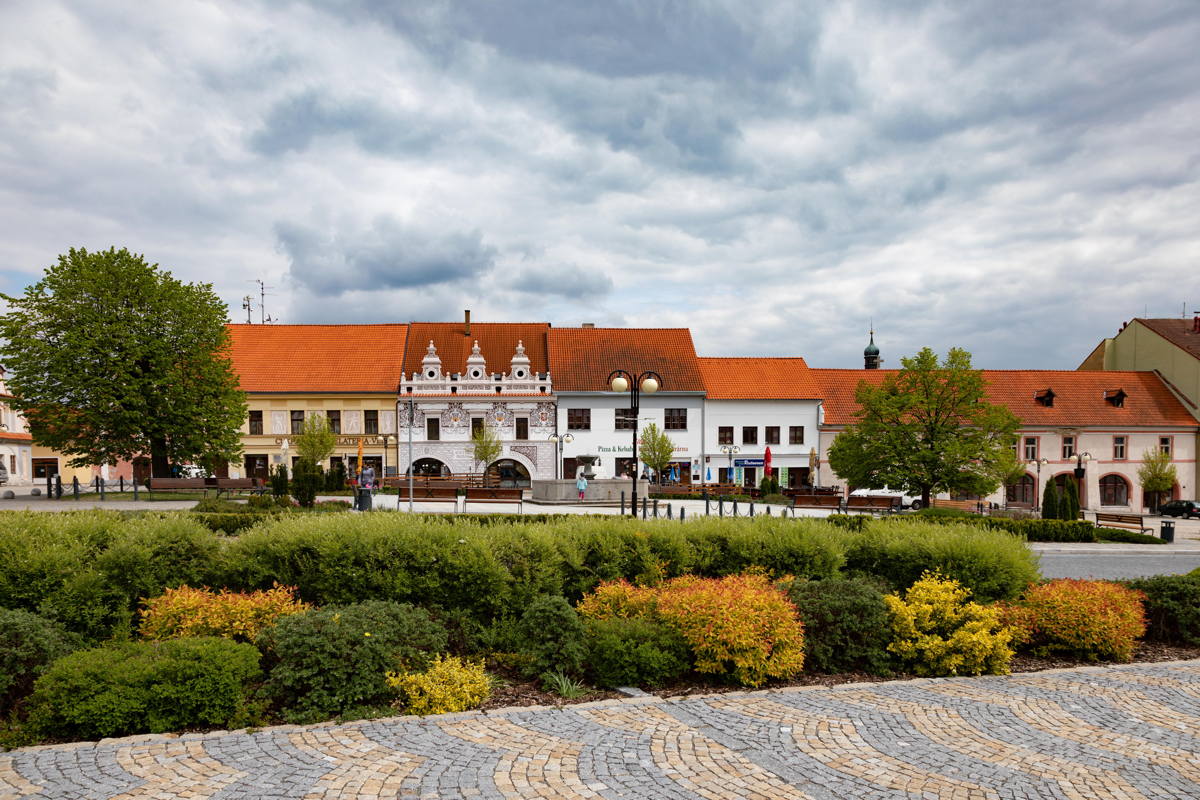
1045	397
1115	397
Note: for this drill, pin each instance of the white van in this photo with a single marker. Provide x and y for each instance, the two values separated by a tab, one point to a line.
906	500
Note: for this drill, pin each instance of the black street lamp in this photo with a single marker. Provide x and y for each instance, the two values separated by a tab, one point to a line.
730	450
621	381
559	443
383	477
1081	459
1037	503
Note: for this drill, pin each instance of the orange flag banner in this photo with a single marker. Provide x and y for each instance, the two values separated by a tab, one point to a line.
360	456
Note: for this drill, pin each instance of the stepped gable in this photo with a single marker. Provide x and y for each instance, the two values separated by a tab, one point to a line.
582	358
497	344
758	379
317	358
1079	397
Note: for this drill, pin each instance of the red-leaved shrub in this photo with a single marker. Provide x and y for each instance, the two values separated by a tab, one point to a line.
203	612
1092	620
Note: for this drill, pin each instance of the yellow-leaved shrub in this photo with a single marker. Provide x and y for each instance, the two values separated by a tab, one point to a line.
450	684
936	630
240	616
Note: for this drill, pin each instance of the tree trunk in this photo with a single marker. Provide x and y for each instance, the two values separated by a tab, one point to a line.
160	467
925	497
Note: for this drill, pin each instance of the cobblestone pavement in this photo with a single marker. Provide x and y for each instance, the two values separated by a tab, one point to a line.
1113	733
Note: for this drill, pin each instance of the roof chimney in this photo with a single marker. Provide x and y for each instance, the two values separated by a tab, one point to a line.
592	324
467	322
1196	324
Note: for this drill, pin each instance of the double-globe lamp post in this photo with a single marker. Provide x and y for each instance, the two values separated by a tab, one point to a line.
559	443
621	381
730	450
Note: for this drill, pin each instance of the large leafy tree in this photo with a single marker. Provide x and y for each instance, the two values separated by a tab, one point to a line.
1157	476
927	428
113	358
655	448
485	447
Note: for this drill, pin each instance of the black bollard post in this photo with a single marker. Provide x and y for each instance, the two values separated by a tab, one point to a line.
645	507
49	488
75	485
681	512
58	487
669	511
656	508
752	508
122	484
735	506
768	511
100	483
622	502
135	489
706	502
720	506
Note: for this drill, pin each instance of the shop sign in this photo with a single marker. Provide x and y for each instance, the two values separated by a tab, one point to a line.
748	462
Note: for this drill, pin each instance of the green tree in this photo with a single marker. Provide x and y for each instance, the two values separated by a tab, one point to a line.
316	440
1156	475
1050	501
655	448
927	428
112	358
307	479
485	447
1068	505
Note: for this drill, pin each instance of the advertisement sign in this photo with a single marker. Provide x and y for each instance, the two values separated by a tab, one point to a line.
747	462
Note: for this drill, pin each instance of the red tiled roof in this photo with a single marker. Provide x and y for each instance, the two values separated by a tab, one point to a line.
1178	332
1078	397
6	436
497	343
582	358
758	379
317	358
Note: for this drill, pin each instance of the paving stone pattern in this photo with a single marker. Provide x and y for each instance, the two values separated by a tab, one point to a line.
1113	733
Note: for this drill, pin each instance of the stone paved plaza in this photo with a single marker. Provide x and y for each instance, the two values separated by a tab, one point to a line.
1105	733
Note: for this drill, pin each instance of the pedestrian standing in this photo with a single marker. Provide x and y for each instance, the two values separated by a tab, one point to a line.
368	477
581	485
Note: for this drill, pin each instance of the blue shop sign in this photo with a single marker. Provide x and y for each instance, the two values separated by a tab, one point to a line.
747	462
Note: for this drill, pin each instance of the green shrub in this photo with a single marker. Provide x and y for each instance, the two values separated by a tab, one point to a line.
231	523
937	631
550	634
307	480
846	625
268	501
217	505
1050	501
1172	607
850	522
992	564
28	644
634	652
776	499
449	685
945	513
334	660
1091	620
1033	530
332	505
186	612
141	687
279	481
1126	536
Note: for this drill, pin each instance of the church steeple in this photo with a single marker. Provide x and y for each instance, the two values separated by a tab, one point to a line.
871	353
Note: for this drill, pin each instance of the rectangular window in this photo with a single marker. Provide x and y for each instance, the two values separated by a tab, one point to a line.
433	429
522	427
256	423
1119	448
772	434
725	434
12	465
796	434
1068	447
1031	448
750	434
579	419
371	422
335	421
676	419
625	419
476	426
297	422
1164	444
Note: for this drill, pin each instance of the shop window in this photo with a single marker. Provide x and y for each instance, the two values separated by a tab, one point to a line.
579	419
297	422
1119	448
772	434
1114	491
370	422
676	419
626	420
256	423
725	434
750	434
796	434
335	421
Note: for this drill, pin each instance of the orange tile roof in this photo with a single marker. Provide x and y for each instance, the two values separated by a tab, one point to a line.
1178	332
6	436
582	358
497	343
758	379
1078	401
317	358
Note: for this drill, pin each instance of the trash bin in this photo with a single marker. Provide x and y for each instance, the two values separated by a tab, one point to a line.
1168	530
364	498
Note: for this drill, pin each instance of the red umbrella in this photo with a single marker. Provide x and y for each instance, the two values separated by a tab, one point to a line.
767	463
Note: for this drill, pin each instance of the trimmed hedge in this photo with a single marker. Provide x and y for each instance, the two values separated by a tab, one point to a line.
1172	607
846	625
1034	530
28	644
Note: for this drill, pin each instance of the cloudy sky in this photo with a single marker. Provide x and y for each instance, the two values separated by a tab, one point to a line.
1017	178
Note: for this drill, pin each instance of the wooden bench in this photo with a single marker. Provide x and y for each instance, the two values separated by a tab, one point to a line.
180	485
489	494
961	505
816	501
1131	522
231	485
872	503
429	494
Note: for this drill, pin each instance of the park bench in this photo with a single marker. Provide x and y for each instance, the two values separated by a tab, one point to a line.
490	494
231	485
1131	522
179	485
961	505
424	493
816	501
875	503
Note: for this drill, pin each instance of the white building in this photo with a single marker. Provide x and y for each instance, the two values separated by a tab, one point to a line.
16	445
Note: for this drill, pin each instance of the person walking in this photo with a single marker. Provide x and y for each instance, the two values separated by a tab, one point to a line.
581	485
367	478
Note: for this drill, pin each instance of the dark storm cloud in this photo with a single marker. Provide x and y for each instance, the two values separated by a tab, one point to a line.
293	123
387	255
568	280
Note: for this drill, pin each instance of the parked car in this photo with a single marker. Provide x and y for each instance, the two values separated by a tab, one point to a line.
906	500
1181	508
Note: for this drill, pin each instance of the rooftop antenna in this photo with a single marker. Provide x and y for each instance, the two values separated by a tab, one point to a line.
263	318
246	305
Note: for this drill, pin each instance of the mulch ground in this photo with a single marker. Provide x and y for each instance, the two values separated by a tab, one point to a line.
513	691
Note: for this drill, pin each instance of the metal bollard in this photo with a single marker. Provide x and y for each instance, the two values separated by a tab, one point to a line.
669	511
735	506
752	508
721	507
135	490
656	508
681	512
121	478
75	485
706	502
768	511
58	487
622	502
645	507
100	483
49	489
